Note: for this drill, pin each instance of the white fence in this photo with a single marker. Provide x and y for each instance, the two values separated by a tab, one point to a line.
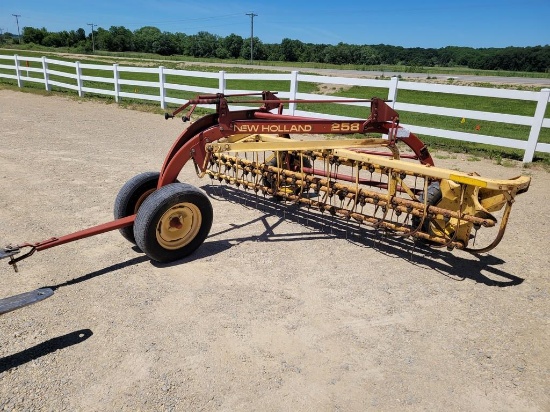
23	72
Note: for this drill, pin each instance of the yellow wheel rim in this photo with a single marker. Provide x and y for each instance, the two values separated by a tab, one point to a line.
178	226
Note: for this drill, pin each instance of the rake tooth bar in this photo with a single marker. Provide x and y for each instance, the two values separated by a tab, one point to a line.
381	192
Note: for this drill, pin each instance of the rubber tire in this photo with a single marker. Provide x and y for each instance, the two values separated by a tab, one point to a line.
129	195
152	210
434	197
273	162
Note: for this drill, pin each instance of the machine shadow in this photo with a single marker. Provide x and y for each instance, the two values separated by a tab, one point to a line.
44	348
100	272
479	268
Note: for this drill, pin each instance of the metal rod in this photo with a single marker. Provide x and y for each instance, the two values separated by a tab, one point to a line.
92	231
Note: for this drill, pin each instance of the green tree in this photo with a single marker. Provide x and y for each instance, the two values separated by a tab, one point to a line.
368	56
233	44
182	43
273	52
203	44
145	37
103	39
291	50
122	39
259	49
166	45
32	35
54	39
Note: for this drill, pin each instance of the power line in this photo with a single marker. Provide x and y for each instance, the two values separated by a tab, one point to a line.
17	20
252	15
137	23
93	42
224	16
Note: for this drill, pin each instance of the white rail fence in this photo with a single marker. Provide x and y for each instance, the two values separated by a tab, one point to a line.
23	72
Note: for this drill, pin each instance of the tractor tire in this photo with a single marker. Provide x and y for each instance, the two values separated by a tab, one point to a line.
173	222
434	196
270	182
131	196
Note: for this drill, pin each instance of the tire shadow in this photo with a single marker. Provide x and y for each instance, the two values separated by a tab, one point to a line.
44	348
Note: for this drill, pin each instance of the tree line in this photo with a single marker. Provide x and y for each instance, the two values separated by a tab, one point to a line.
204	44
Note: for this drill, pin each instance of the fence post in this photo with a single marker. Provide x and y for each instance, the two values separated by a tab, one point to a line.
293	91
221	82
17	71
162	80
392	92
79	79
536	126
117	85
46	74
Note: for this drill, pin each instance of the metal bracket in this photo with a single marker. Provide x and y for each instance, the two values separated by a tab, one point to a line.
9	251
24	299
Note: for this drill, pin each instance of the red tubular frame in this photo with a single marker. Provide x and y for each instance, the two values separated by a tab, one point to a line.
191	143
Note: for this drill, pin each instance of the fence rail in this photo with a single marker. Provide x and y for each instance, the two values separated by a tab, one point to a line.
112	84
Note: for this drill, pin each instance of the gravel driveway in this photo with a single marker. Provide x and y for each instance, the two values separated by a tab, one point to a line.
275	312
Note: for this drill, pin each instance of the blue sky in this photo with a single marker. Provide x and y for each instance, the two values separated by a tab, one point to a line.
426	23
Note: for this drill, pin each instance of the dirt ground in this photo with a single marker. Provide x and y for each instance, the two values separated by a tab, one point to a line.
275	312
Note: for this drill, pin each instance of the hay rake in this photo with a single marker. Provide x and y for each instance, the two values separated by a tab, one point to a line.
382	177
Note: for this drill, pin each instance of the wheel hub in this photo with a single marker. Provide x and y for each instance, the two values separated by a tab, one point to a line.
178	225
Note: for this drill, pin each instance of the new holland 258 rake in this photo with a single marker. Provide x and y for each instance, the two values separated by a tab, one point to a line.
383	177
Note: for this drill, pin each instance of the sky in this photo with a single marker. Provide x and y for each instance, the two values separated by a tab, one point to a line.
425	24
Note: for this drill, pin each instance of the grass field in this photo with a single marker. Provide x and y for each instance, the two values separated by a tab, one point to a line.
496	105
38	51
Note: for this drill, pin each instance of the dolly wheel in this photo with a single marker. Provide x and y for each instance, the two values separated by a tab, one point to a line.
173	222
294	162
433	198
131	196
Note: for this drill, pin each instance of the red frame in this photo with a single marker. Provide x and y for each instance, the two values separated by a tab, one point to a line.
191	143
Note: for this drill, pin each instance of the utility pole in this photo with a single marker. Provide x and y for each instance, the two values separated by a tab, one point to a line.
252	15
93	43
17	21
1	36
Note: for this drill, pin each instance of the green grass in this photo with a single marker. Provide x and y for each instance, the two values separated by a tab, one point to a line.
478	103
457	70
